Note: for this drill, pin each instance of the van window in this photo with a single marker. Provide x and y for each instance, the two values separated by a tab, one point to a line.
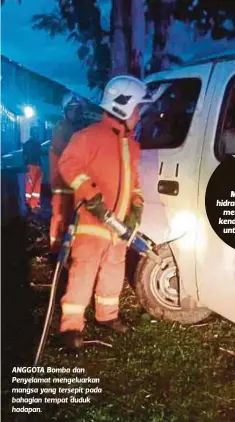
167	121
225	135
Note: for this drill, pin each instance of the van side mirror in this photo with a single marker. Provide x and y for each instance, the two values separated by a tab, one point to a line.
229	142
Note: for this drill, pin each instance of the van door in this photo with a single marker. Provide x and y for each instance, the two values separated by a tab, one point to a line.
171	142
215	261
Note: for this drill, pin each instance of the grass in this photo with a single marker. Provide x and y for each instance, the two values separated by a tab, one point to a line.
157	372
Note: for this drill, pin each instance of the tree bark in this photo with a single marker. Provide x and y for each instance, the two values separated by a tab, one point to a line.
162	21
119	49
137	38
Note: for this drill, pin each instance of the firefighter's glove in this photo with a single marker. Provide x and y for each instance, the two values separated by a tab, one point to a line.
96	206
134	218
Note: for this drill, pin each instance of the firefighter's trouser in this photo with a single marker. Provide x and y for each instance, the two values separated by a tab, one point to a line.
62	212
33	180
97	265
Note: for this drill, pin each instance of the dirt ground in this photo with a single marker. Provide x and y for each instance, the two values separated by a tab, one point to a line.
157	372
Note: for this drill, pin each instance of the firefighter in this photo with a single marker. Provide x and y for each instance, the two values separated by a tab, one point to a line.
62	195
100	165
33	176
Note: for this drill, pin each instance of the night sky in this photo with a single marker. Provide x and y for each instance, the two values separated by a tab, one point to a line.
55	58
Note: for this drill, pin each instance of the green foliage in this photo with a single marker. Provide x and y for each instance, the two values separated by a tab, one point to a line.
217	16
52	23
208	16
82	19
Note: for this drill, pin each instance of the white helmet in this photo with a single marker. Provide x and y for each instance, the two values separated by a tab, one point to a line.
122	94
71	99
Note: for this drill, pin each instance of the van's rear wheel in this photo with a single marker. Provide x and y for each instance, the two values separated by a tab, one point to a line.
157	287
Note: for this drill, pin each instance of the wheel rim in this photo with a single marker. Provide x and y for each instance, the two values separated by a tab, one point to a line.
164	284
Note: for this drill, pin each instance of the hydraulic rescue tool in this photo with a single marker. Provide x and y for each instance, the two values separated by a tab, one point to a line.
135	240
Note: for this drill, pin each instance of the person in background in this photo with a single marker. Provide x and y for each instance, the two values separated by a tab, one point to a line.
62	196
100	165
33	176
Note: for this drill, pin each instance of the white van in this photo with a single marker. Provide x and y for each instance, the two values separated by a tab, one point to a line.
181	145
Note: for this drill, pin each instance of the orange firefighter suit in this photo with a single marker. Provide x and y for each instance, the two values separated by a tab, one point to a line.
33	176
62	196
98	159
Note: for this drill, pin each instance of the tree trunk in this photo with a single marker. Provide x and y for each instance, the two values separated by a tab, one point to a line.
137	38
162	20
118	41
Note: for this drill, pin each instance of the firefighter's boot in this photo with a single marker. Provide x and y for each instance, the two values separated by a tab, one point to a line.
72	339
115	325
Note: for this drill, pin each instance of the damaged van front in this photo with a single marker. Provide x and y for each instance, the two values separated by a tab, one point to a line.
177	160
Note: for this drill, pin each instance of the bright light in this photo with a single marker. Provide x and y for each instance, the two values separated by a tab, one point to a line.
189	230
29	112
183	227
182	222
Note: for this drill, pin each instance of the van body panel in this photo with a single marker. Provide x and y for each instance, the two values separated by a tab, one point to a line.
162	209
215	261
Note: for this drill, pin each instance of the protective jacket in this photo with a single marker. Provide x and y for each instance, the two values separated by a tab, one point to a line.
100	158
62	196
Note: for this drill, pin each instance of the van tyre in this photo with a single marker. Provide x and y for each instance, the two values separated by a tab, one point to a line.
157	288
